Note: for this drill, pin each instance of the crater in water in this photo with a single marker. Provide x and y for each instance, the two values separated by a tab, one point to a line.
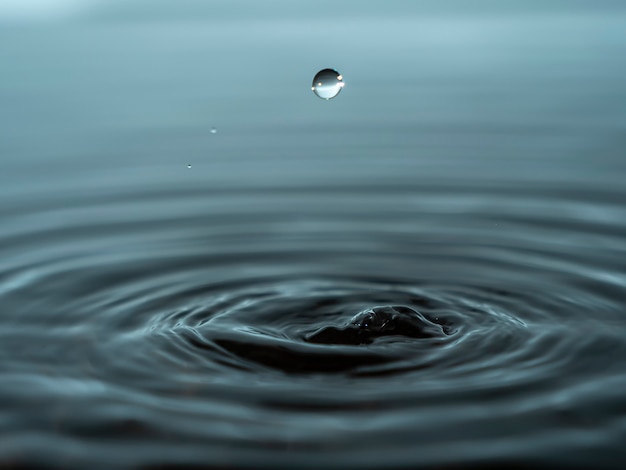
310	327
371	324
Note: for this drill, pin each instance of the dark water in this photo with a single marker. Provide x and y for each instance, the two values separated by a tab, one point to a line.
427	271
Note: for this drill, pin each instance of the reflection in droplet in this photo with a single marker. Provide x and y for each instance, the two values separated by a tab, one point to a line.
327	83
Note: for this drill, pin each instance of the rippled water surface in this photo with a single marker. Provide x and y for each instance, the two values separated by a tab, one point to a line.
201	263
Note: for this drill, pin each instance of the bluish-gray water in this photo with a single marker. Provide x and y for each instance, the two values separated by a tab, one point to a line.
173	296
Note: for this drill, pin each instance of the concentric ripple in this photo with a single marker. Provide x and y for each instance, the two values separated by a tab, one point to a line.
286	331
225	327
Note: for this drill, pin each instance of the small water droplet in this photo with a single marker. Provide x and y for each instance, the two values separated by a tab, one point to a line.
327	83
189	165
213	130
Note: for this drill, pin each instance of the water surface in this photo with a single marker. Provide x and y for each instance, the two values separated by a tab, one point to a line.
466	185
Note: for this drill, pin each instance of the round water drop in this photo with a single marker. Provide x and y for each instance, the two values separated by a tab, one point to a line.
213	130
327	83
189	165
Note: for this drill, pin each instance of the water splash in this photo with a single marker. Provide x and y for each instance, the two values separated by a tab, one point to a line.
368	325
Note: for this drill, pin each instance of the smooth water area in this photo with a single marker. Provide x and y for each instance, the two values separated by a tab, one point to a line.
202	264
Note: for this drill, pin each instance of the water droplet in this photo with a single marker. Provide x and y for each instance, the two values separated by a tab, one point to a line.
189	165
213	130
327	83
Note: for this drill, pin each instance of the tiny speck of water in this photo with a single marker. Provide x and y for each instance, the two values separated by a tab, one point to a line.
327	83
189	165
213	130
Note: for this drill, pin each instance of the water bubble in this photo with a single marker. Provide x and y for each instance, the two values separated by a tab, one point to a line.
189	165
213	130
327	83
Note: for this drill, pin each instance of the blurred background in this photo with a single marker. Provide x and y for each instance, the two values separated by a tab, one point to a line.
486	89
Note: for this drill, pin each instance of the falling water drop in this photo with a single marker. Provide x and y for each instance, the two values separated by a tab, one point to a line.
327	83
